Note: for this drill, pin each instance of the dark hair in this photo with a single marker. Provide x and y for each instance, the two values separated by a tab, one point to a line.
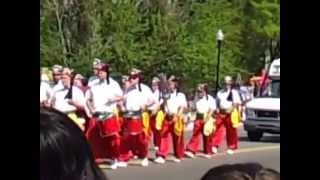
84	81
267	174
108	77
247	171
234	175
64	152
69	94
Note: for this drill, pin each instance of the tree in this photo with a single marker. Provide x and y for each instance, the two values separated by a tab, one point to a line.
170	36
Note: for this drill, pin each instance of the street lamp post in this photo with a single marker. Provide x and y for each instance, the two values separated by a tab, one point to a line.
220	37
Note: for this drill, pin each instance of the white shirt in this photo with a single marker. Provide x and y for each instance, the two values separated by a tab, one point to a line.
222	97
157	100
57	86
61	103
175	101
135	99
102	94
45	91
203	105
92	80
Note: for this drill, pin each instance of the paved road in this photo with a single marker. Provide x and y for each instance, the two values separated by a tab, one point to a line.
266	152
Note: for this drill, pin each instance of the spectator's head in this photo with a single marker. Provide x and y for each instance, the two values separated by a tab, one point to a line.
248	171
64	151
267	174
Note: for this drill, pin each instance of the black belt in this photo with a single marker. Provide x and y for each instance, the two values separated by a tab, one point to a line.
132	114
102	116
224	111
169	117
199	115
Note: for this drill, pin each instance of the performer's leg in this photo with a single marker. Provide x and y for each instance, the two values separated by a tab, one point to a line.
113	146
178	143
125	147
157	138
207	144
194	142
142	145
165	141
92	123
95	140
155	132
219	133
232	134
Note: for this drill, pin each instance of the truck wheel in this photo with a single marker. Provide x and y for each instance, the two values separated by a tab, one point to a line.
255	135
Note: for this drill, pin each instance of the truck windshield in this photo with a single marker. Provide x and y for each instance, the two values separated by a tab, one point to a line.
272	89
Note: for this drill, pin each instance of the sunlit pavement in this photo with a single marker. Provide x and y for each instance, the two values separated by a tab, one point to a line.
266	152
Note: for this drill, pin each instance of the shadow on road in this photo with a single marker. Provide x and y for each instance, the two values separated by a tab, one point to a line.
267	139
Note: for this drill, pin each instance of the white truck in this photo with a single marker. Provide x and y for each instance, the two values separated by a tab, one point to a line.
263	111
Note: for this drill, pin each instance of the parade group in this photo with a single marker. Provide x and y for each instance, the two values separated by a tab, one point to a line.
120	121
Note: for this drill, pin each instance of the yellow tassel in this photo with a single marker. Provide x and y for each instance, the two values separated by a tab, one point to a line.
209	125
145	121
76	120
179	125
116	112
159	120
235	118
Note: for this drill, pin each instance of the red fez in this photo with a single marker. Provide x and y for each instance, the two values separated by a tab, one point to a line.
103	67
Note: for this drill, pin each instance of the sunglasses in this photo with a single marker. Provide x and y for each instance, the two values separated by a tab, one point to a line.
135	76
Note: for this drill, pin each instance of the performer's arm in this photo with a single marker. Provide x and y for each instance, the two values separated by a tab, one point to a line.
213	106
183	107
236	99
118	93
78	99
89	102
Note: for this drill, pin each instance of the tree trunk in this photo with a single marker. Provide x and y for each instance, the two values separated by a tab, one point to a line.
60	29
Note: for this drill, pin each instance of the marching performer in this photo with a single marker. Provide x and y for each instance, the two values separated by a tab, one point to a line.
228	101
104	127
81	83
154	112
125	83
57	76
45	90
95	65
69	99
173	124
203	125
137	99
